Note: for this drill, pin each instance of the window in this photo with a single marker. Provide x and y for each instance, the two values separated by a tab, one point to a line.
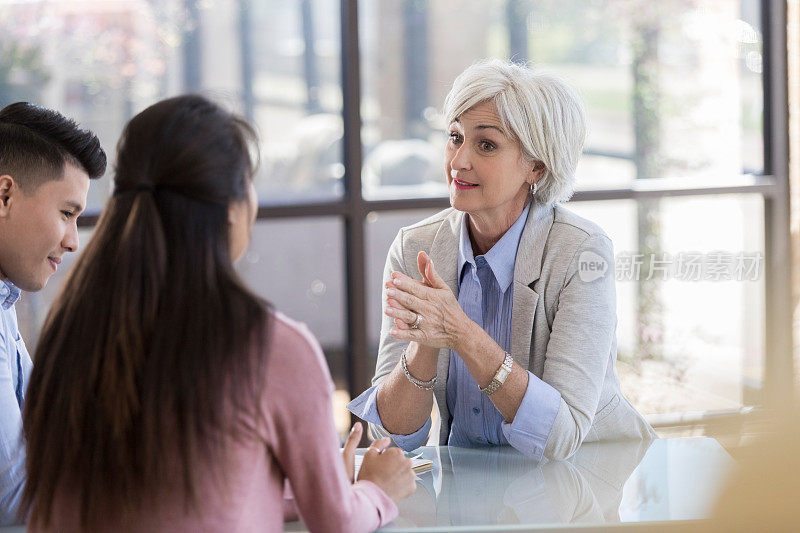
346	96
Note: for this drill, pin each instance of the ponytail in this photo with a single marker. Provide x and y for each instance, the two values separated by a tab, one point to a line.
140	259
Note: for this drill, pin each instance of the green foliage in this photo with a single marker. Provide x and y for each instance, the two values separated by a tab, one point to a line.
22	73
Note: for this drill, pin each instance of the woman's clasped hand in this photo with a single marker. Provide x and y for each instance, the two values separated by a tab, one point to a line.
443	323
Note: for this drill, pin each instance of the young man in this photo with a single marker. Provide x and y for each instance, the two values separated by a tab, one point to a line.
46	162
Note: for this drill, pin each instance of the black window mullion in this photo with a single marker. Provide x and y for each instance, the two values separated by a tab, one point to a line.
358	371
764	185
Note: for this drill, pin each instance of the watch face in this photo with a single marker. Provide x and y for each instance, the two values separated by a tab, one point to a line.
502	374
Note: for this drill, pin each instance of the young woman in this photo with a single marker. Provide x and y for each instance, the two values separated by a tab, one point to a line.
165	394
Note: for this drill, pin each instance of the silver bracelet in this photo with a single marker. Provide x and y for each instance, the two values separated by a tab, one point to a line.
424	385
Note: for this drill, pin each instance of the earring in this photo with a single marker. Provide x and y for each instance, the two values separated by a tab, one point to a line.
534	188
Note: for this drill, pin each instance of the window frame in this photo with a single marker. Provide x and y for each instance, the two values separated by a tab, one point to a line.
353	208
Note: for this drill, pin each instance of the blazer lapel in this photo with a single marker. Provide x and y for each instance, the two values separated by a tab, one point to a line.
444	249
527	269
444	253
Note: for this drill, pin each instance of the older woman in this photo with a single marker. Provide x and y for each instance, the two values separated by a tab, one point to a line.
502	308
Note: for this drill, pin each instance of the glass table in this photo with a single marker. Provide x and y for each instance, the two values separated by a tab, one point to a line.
499	489
660	482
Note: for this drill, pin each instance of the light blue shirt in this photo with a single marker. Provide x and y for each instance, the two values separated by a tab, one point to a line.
486	294
15	369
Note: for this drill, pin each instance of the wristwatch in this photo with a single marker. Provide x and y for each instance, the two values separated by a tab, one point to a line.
501	375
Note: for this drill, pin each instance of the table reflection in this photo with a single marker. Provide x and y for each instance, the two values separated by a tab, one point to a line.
602	483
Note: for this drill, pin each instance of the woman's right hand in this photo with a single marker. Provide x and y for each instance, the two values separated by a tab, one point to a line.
389	469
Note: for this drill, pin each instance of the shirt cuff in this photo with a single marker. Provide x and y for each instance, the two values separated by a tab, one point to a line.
365	407
531	427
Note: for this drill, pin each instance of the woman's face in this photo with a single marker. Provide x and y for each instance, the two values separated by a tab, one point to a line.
241	216
486	173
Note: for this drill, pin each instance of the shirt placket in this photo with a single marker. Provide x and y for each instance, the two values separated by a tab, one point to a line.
20	390
489	311
472	303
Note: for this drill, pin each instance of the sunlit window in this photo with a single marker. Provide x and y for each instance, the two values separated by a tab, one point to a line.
673	90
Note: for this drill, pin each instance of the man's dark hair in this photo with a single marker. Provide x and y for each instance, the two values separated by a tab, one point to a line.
36	143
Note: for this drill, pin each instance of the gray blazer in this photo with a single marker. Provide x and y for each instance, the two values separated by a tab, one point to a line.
563	322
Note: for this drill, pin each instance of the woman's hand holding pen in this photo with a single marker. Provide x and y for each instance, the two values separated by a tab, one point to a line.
390	469
387	467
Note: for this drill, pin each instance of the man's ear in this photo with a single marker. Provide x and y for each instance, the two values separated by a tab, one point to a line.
8	187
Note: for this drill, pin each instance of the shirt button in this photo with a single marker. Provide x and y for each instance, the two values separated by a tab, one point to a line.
476	410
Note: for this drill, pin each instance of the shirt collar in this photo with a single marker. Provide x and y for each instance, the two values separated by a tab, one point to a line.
503	254
9	294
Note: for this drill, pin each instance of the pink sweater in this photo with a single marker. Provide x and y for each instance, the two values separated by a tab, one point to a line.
299	445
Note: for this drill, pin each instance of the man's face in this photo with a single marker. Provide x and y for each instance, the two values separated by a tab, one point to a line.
36	229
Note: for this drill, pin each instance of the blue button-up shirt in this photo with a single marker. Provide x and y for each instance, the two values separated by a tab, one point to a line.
486	294
15	368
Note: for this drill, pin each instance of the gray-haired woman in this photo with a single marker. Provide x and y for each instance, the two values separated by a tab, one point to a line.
512	332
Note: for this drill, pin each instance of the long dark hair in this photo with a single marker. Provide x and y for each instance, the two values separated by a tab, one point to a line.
154	344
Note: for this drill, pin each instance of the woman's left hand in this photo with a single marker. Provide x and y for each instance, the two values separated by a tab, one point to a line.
443	324
349	450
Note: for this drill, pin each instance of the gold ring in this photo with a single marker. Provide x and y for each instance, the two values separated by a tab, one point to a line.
417	323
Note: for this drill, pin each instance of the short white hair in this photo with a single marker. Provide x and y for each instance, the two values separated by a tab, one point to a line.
539	109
